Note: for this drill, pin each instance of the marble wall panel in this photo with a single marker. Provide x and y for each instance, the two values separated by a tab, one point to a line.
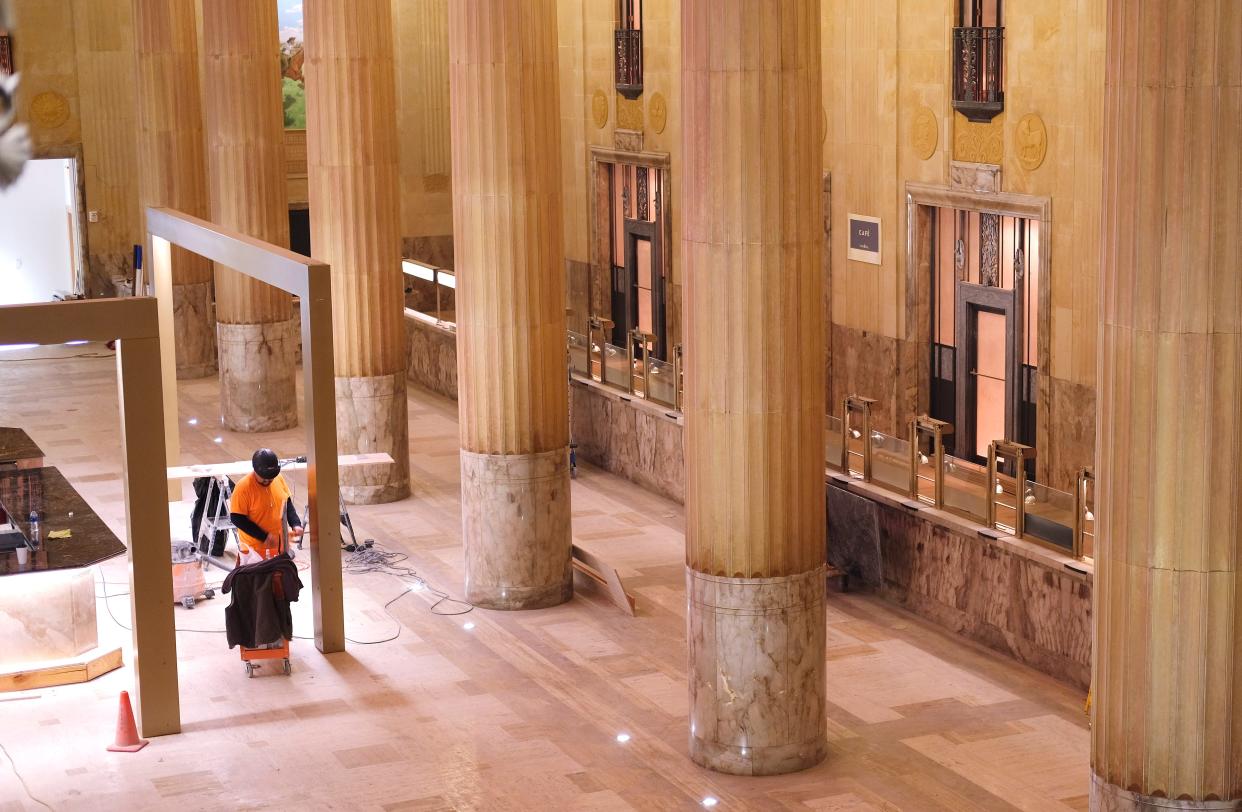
434	250
100	270
629	439
577	295
970	585
865	363
432	359
854	536
1071	434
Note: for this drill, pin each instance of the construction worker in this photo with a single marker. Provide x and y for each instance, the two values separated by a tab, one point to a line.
259	507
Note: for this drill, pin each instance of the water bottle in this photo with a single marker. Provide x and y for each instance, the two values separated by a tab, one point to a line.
34	528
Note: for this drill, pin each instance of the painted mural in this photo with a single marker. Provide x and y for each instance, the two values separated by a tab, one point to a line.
291	63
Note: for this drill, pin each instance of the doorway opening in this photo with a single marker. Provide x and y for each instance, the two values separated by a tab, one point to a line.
41	246
638	272
985	320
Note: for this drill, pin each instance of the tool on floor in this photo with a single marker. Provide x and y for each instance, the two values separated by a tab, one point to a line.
189	583
127	740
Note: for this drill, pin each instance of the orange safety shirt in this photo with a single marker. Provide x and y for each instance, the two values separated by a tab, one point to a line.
265	506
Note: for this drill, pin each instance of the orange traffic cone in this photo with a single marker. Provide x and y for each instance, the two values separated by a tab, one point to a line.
127	740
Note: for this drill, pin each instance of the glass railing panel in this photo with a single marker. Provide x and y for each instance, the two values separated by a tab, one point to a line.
890	462
663	387
832	442
1004	503
1050	515
579	358
965	487
616	367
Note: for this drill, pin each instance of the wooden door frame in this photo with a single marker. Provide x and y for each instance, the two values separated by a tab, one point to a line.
641	229
599	282
970	298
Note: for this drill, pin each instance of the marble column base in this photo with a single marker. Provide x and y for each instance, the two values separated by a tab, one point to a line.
257	373
46	616
516	529
371	418
756	670
196	331
1106	797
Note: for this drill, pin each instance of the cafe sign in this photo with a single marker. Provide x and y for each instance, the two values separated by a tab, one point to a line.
864	242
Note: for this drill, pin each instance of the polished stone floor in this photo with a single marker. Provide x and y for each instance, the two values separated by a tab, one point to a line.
500	711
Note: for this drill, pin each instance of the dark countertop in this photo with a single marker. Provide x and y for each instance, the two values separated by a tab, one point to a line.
16	444
47	491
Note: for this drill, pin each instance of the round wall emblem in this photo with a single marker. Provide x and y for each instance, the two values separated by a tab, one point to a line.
924	133
599	109
657	112
1031	138
49	110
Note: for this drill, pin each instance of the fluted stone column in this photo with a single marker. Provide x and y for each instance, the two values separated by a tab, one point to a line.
171	163
255	329
512	379
1167	713
751	232
351	134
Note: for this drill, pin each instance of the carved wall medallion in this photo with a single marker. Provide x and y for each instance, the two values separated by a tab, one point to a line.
979	143
599	109
924	133
657	112
629	113
49	110
1031	140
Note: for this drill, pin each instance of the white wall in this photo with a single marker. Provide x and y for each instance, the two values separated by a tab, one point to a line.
35	256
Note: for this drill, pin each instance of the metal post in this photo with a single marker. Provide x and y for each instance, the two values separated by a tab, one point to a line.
856	403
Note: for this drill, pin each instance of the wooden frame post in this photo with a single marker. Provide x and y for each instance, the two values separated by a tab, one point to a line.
311	282
136	323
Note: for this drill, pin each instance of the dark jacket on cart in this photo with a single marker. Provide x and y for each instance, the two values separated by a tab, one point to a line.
259	612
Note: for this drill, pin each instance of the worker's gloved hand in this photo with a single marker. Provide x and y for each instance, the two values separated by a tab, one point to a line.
296	533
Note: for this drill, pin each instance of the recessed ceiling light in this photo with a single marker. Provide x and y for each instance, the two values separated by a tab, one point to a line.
467	625
623	737
709	801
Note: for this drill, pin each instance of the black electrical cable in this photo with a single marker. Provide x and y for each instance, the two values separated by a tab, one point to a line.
22	781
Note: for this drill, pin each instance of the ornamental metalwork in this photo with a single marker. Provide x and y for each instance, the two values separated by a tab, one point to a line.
978	72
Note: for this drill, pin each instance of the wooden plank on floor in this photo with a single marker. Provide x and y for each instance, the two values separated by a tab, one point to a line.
604	575
83	670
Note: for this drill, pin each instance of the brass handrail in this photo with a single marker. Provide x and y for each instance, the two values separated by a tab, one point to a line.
861	405
1085	479
926	426
1019	454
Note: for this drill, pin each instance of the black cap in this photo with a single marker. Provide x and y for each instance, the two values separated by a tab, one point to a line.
265	463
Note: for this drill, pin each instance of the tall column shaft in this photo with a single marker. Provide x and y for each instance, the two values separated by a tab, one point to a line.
512	379
751	232
1167	730
171	163
255	329
351	141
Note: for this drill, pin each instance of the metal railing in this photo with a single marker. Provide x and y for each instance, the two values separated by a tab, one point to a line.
631	369
426	284
917	467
